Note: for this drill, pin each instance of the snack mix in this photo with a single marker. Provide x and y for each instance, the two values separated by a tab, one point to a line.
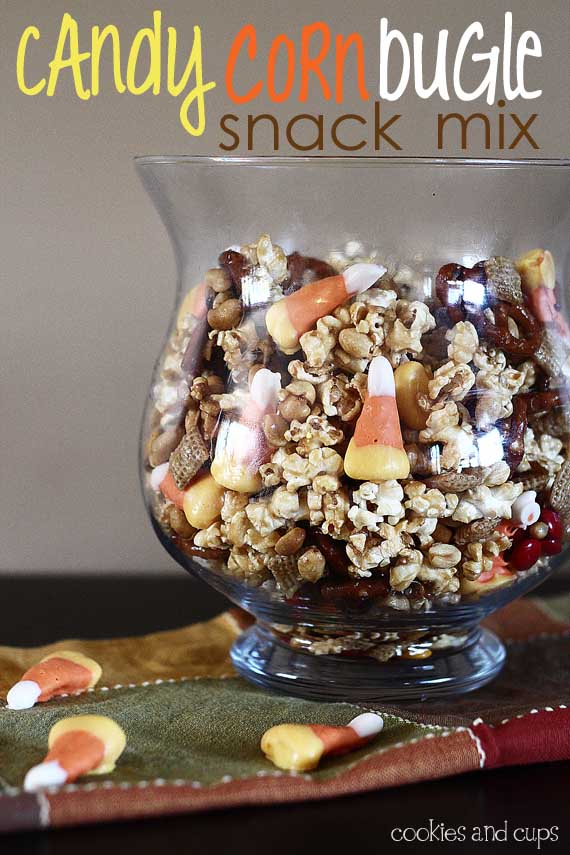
349	432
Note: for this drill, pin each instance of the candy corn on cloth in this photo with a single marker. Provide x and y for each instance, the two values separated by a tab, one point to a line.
193	727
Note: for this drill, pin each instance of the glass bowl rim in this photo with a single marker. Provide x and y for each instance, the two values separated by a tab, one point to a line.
355	160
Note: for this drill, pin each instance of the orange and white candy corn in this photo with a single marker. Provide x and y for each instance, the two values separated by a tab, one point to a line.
376	451
60	673
78	745
498	577
538	279
300	747
193	305
289	318
525	509
201	500
241	446
161	479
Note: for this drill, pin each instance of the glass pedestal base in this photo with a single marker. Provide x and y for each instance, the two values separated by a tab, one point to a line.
263	659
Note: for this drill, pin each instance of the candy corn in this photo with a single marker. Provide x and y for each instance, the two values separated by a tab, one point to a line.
241	446
376	451
158	476
59	673
203	501
538	278
161	479
488	581
300	747
194	304
525	509
78	745
289	318
191	320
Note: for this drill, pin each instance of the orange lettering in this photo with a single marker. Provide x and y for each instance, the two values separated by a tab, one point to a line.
279	97
342	46
312	64
246	34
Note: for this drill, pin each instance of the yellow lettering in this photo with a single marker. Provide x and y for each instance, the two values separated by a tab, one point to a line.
198	92
34	33
173	87
67	55
98	39
152	37
58	63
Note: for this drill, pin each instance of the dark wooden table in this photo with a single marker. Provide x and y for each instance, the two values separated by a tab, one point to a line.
41	609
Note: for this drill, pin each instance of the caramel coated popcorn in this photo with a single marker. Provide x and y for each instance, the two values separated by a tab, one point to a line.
404	335
375	501
343	397
463	342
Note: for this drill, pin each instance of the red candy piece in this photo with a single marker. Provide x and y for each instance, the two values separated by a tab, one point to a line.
551	546
526	553
520	534
554	523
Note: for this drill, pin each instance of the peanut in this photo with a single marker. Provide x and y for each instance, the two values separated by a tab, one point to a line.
293	408
226	316
312	564
274	427
355	343
297	399
290	542
218	280
411	379
179	523
163	445
476	531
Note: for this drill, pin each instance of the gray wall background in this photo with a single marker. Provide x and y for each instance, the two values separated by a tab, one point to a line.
87	274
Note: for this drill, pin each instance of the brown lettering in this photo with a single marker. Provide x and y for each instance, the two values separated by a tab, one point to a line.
380	130
317	121
464	122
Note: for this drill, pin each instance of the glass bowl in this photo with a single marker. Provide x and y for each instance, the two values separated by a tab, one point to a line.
358	427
